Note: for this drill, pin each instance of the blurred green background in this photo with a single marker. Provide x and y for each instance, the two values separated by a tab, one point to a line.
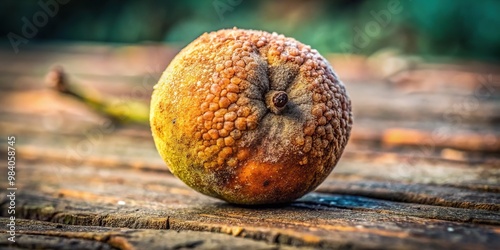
457	28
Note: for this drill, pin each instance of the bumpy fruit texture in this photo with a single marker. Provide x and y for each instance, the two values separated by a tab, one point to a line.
250	117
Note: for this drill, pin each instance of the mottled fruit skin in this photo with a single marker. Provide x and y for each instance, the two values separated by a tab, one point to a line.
250	117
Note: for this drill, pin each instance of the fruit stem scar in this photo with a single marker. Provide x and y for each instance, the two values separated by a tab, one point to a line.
276	101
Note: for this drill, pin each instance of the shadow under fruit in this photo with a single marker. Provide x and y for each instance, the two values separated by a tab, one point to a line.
250	117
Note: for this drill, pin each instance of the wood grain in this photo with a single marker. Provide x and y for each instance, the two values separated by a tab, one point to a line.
421	171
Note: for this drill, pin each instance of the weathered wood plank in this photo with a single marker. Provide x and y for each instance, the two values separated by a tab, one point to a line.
415	193
46	235
303	225
90	196
429	183
73	182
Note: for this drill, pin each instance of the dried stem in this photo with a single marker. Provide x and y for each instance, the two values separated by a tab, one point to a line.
119	110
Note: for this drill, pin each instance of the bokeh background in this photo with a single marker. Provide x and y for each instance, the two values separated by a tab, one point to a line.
455	28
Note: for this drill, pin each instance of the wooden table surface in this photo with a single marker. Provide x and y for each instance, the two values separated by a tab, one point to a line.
421	171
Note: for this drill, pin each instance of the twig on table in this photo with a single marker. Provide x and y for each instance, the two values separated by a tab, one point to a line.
119	110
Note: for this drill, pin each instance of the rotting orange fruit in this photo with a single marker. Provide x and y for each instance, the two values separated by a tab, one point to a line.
250	117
